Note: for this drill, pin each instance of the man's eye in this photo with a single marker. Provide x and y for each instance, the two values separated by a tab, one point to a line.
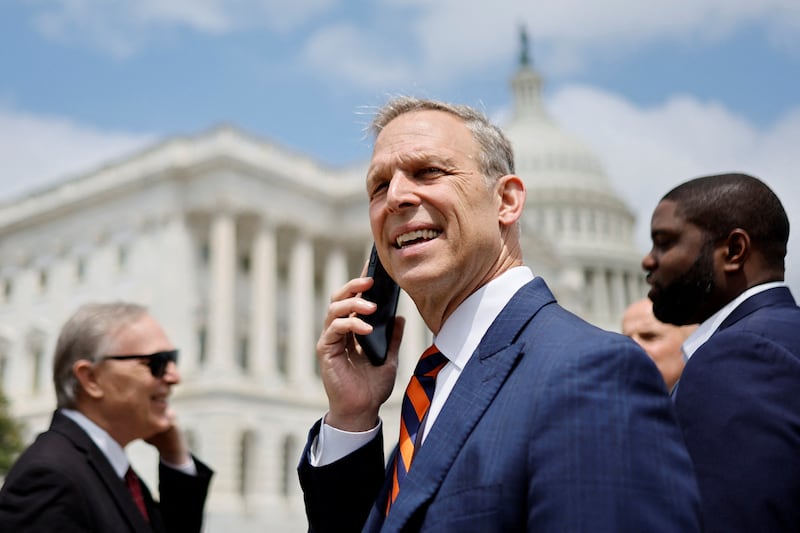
663	242
428	171
378	188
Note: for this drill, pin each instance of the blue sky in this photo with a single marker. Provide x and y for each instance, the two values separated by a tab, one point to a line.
663	91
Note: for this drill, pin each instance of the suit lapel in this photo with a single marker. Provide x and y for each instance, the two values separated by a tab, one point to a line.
477	386
777	296
107	477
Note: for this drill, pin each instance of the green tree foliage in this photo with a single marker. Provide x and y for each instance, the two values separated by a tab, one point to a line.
11	444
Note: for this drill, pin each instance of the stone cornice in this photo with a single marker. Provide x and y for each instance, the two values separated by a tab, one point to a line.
178	157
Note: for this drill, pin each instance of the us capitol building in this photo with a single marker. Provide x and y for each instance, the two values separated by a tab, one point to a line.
235	246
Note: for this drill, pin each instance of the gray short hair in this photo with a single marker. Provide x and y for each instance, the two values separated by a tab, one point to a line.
87	334
496	157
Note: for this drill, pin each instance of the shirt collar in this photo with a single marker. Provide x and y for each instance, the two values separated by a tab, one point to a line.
712	323
110	448
463	330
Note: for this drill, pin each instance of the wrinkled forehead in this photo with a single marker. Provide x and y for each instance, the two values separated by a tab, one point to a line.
421	137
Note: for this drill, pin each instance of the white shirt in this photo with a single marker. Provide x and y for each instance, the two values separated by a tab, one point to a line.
457	340
111	448
705	330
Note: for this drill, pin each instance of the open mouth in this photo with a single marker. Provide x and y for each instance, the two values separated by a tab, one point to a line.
416	236
159	398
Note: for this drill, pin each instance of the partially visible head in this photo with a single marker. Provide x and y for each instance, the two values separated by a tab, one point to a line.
122	396
713	237
661	341
444	205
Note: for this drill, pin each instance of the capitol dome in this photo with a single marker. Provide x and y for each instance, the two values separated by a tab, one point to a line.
572	206
545	154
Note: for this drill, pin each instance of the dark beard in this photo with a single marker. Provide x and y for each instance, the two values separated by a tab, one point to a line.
681	301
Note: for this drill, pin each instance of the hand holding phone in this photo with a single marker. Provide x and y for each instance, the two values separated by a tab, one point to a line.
384	293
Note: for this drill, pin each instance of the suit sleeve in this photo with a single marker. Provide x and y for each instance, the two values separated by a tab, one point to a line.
36	499
338	496
739	408
608	455
183	497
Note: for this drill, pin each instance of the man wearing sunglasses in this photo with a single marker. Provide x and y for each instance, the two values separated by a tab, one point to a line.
114	368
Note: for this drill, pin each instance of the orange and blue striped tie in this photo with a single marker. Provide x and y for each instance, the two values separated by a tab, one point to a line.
416	402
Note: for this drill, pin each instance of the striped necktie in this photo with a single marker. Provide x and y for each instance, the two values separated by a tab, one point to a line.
416	403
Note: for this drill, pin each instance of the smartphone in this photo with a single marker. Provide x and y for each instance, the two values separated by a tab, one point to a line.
384	293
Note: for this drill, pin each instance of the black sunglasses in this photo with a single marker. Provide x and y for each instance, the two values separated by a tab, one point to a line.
156	361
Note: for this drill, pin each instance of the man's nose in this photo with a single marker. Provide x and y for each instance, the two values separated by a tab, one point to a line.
649	262
171	374
401	192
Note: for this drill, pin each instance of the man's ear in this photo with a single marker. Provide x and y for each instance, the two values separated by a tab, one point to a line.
87	377
511	191
737	250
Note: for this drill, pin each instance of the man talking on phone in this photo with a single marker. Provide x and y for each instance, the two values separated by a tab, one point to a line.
520	416
114	368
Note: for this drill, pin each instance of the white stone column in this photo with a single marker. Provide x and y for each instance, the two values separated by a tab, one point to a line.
416	338
221	308
618	299
633	285
177	298
263	319
300	356
221	449
336	273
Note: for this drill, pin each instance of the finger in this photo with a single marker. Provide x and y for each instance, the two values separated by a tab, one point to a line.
354	287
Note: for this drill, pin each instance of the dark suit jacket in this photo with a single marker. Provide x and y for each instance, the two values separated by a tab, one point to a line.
739	406
64	483
553	426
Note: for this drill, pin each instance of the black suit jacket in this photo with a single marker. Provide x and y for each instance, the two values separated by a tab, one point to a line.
64	483
739	406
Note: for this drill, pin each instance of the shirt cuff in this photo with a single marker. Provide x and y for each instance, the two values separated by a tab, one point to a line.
188	468
332	444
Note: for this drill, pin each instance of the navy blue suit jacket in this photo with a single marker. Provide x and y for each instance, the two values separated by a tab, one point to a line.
739	407
64	483
553	426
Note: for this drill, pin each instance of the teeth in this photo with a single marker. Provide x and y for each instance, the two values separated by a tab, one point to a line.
425	234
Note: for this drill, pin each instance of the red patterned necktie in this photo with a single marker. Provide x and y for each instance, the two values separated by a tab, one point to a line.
135	486
416	403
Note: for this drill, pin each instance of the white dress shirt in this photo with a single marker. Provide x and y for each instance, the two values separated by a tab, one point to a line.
712	323
111	448
457	340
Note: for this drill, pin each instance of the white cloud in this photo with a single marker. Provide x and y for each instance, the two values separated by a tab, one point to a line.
37	151
447	39
648	151
348	52
123	27
437	40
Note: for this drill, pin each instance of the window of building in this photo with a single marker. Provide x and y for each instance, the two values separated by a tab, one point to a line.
37	363
202	338
247	475
242	353
42	279
289	465
122	257
205	253
7	290
244	263
80	269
